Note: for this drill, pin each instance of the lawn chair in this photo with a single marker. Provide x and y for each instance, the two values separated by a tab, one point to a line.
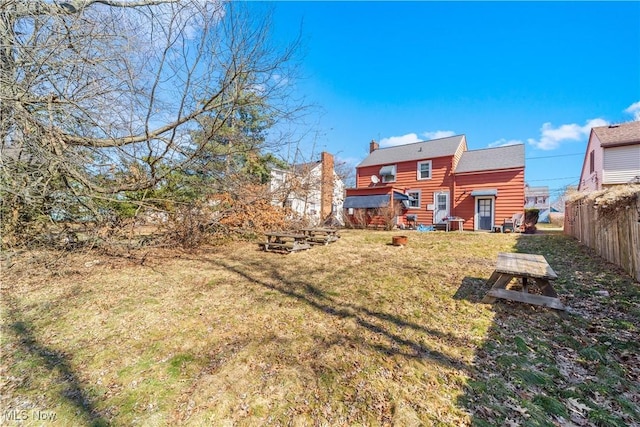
518	221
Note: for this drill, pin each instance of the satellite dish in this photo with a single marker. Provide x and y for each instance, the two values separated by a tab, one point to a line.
375	179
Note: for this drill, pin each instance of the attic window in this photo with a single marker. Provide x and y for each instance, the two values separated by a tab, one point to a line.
388	173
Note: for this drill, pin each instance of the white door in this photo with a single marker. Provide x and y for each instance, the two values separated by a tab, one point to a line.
441	202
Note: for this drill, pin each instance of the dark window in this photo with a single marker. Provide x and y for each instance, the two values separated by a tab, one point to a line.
414	199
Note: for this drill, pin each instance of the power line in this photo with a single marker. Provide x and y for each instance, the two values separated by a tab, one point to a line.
553	179
557	155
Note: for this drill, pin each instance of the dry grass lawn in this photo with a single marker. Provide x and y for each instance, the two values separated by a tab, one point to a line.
355	333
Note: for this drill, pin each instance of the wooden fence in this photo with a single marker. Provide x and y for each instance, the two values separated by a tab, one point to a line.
614	234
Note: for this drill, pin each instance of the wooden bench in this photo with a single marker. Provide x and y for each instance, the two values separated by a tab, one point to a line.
527	267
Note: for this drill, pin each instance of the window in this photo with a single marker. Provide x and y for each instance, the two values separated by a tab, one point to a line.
414	199
388	173
592	163
424	170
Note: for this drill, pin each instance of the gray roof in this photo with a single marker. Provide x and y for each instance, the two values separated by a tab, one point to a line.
507	157
416	151
359	202
624	133
536	191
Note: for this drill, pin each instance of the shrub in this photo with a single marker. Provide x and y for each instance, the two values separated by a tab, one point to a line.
530	220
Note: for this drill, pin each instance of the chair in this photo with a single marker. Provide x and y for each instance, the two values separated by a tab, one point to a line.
518	220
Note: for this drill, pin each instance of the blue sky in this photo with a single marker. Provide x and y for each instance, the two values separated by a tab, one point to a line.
538	73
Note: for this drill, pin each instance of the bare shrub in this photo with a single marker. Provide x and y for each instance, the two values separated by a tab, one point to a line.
386	217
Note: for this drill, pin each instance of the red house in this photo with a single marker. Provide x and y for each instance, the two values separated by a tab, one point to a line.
429	182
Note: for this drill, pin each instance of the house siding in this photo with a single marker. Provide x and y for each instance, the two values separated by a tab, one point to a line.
384	189
311	190
591	181
620	164
500	169
510	198
406	179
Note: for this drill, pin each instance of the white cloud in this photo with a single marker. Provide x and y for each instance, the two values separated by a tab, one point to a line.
504	142
551	137
410	138
399	140
438	134
634	109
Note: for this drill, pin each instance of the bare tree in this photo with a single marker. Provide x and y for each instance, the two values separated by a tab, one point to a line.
100	97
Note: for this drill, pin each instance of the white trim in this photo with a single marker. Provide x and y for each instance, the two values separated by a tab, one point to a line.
418	171
419	197
436	212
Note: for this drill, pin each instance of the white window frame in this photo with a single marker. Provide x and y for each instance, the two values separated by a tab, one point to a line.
419	170
419	201
440	214
389	178
476	215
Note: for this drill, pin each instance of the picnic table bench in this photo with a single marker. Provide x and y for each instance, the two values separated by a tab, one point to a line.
527	267
451	219
320	236
285	241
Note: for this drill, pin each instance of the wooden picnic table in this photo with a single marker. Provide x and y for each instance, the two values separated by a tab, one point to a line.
285	241
321	235
529	268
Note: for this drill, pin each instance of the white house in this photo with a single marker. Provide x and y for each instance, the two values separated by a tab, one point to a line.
538	198
612	157
312	190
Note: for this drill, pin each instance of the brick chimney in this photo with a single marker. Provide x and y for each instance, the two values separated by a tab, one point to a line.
326	185
373	146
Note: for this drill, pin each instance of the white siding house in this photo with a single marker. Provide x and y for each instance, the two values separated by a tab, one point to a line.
313	191
538	198
612	157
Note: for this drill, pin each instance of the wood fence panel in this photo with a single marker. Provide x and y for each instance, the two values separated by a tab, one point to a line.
615	238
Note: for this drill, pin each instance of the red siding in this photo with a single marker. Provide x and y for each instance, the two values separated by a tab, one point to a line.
510	198
407	179
509	183
370	191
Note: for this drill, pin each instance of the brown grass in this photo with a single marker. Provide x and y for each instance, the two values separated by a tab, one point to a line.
359	332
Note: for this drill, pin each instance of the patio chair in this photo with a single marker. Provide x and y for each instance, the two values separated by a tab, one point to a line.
518	220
